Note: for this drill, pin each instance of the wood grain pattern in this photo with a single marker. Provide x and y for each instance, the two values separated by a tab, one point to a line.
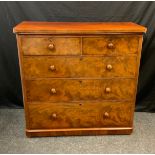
78	27
136	80
20	56
80	115
69	67
34	45
79	78
122	44
79	90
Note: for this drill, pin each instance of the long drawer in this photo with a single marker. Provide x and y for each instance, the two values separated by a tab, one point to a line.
59	90
80	66
80	115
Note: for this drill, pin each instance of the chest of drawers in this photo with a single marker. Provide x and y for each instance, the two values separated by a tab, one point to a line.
79	78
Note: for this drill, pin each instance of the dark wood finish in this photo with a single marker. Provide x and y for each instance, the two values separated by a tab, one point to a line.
70	67
77	90
79	78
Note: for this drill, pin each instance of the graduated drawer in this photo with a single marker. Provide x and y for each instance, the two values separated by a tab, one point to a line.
64	90
84	66
111	45
80	115
48	45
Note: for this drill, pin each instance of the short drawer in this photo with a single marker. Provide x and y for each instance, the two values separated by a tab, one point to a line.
48	45
80	115
59	90
111	45
85	66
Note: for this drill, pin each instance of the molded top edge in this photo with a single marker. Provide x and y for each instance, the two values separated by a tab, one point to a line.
78	27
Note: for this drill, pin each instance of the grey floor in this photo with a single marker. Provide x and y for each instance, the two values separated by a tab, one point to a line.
13	139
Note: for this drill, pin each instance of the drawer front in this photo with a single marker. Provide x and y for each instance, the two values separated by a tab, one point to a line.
111	45
40	67
57	90
80	115
34	45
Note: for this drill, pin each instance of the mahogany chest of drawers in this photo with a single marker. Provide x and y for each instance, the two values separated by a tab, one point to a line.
79	78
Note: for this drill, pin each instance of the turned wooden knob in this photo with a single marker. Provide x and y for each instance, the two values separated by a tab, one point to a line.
54	115
53	91
110	45
109	67
52	68
51	46
107	90
106	114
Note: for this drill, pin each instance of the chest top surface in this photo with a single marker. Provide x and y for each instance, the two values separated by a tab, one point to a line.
78	27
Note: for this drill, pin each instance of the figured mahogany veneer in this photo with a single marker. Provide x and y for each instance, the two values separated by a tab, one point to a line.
108	45
79	90
79	78
80	115
39	45
80	66
100	45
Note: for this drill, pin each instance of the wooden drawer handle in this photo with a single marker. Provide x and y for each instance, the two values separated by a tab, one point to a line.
106	114
53	91
109	67
52	68
51	46
107	90
110	45
54	115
